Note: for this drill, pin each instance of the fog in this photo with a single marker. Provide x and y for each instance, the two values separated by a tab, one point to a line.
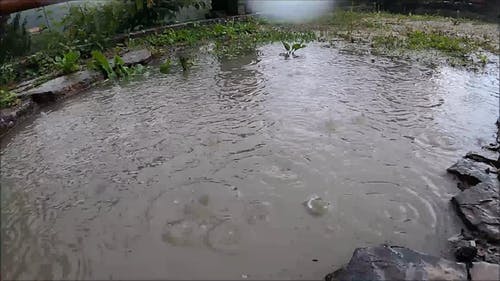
291	10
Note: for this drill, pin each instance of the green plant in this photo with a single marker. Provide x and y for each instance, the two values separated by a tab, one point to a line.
14	39
114	69
7	74
119	67
483	59
291	48
68	63
7	99
165	66
185	62
101	63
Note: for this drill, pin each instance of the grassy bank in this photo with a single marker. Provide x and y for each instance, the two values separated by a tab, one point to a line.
461	42
458	42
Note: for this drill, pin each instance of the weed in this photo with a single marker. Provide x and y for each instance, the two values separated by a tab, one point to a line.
185	62
291	48
68	63
8	99
116	68
7	74
483	59
419	40
101	63
165	66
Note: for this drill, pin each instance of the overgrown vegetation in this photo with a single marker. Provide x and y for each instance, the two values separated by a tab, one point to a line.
87	34
7	98
85	28
113	69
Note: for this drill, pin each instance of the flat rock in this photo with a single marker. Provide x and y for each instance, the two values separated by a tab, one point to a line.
479	208
486	156
397	263
137	57
472	172
9	116
484	271
63	86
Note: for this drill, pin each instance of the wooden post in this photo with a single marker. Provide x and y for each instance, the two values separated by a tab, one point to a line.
13	6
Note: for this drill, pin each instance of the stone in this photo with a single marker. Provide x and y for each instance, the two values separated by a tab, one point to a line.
472	172
142	56
479	208
9	116
484	271
397	263
486	156
63	86
465	253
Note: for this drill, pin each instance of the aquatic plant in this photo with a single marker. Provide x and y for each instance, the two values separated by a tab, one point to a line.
165	66
68	63
291	48
185	62
483	59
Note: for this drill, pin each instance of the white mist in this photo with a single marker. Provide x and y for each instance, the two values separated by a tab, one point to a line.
291	10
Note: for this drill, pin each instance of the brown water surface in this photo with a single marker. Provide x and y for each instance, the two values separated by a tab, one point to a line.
203	175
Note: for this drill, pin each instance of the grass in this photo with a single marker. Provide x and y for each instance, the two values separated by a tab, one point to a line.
456	39
383	33
231	39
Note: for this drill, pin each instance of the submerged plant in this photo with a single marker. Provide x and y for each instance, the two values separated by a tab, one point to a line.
185	62
165	66
291	48
68	63
483	59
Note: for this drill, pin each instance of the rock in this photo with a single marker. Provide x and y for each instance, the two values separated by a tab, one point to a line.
486	156
485	271
466	253
137	57
9	116
397	263
63	86
472	172
479	209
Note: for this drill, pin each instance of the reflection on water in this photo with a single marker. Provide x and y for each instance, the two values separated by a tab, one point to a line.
208	175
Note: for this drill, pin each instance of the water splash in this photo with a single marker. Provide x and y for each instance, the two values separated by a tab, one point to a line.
291	10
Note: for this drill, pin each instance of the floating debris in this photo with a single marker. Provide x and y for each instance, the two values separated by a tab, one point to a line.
316	206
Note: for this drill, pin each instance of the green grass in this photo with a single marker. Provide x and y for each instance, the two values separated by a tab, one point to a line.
419	40
230	39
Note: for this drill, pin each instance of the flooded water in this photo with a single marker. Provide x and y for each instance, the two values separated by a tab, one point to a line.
205	175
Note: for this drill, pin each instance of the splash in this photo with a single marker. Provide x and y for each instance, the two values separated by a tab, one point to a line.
291	10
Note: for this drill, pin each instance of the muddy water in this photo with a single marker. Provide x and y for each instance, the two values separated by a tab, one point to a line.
203	175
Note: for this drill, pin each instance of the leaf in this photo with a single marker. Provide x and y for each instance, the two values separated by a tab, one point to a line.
101	63
296	46
286	45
